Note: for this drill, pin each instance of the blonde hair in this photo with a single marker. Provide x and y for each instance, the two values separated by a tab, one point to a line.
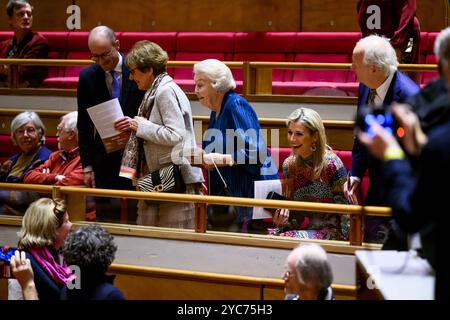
146	54
313	122
40	222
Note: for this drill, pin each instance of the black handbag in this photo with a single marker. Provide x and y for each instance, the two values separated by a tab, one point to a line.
167	179
221	217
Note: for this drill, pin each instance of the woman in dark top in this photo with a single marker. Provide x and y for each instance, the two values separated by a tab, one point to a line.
92	249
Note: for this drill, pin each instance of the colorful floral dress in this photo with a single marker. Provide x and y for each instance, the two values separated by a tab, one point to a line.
328	188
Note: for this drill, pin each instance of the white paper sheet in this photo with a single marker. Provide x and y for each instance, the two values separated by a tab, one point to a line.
262	189
104	115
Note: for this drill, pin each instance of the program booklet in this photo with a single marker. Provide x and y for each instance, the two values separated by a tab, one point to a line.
103	116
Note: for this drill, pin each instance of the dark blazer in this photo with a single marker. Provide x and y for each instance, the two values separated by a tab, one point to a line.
421	204
92	90
400	89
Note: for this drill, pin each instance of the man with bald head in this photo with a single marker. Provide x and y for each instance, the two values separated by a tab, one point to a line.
108	78
374	62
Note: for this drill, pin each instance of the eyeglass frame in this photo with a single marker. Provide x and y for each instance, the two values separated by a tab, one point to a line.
30	131
104	55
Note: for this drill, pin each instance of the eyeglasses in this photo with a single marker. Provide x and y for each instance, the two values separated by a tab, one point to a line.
28	131
104	55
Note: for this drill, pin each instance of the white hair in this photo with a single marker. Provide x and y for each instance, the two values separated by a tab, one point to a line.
442	46
70	121
379	52
313	268
218	73
25	117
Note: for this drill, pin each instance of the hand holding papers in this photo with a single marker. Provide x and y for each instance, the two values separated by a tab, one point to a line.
103	116
262	189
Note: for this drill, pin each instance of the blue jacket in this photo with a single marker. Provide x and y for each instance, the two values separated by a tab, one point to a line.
41	156
400	89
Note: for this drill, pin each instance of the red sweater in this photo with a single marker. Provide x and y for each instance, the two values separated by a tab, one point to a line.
33	46
59	163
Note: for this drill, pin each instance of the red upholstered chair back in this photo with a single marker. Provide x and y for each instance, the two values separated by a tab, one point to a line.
166	40
197	46
268	46
325	47
57	43
429	57
8	149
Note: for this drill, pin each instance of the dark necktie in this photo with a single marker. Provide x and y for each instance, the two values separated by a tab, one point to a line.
115	85
372	95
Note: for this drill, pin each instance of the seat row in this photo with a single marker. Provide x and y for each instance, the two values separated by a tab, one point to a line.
329	47
7	148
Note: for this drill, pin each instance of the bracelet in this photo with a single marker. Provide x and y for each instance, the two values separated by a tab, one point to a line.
393	153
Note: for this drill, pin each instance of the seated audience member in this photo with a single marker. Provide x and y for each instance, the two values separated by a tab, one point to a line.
92	249
45	226
242	156
28	133
25	44
317	175
63	167
308	275
419	197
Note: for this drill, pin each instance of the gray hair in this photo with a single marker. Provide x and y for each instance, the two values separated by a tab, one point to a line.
25	117
106	31
379	52
313	268
70	121
442	46
218	72
90	247
16	4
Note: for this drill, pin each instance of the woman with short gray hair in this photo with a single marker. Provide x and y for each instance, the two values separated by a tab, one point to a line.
28	133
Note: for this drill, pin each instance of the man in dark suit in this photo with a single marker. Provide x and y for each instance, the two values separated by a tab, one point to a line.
419	197
103	81
375	63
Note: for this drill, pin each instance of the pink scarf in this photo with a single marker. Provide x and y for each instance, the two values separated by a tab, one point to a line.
61	274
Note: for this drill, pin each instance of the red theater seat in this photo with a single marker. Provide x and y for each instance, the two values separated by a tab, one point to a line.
268	46
8	149
429	57
166	40
198	46
324	47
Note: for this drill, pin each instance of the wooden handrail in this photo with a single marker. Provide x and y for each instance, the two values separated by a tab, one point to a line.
87	62
231	64
333	66
174	197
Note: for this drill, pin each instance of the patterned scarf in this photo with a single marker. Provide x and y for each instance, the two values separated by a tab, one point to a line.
59	273
132	153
